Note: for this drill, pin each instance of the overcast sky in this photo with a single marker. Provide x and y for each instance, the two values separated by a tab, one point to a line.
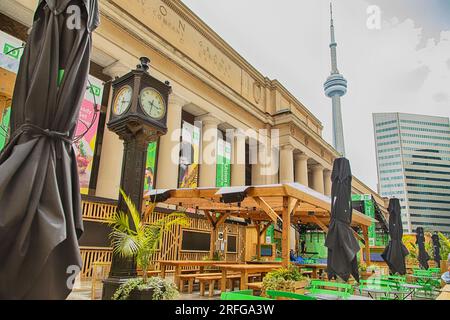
402	67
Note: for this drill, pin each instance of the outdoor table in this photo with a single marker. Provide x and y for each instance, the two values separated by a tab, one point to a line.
314	266
412	288
374	292
244	270
324	296
178	264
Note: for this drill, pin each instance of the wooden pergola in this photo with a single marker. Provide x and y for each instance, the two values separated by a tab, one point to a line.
291	203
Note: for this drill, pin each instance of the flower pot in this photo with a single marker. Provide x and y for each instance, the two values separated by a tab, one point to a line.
365	275
146	294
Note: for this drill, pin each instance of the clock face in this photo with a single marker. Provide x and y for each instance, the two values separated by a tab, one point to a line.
123	100
152	103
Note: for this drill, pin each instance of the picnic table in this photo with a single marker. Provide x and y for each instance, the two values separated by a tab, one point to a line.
314	266
179	264
244	270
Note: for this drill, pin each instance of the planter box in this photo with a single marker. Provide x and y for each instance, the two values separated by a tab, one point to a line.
298	287
146	294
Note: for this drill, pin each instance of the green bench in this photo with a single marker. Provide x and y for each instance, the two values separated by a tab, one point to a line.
241	295
287	295
342	290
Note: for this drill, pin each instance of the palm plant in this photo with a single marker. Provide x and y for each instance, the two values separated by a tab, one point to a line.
140	240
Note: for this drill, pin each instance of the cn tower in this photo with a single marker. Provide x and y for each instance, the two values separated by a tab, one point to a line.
336	87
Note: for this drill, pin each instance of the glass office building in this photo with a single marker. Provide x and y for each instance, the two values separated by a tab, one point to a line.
413	160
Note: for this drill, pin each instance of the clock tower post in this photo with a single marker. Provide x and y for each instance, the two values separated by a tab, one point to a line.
138	117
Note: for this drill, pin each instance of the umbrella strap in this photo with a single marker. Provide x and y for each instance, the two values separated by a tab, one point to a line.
37	131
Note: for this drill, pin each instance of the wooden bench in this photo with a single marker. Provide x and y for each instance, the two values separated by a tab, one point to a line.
255	286
212	280
190	279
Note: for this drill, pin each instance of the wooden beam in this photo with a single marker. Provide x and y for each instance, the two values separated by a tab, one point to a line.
222	218
258	239
285	245
293	203
358	236
210	219
320	224
265	228
267	209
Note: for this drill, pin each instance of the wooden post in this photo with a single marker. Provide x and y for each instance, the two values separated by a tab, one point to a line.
258	240
212	247
365	230
285	233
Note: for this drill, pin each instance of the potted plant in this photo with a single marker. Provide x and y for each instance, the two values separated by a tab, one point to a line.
364	272
140	241
288	280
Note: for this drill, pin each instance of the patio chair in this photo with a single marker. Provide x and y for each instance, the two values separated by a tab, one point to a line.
100	271
342	290
392	289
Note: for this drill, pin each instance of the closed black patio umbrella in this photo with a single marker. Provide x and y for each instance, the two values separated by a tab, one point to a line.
436	248
395	252
40	215
420	242
341	242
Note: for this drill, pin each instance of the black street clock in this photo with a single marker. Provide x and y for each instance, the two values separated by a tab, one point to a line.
138	117
139	104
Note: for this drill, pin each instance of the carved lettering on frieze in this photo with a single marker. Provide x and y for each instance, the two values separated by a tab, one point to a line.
257	92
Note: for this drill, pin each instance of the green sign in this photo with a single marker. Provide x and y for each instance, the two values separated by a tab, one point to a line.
4	127
270	234
11	51
369	210
149	181
223	167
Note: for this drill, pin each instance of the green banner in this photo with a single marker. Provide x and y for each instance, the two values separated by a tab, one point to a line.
369	210
4	127
270	234
149	181
223	167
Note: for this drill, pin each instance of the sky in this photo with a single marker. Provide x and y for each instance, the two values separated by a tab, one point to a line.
404	66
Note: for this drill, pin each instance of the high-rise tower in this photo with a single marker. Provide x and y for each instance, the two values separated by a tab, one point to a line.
336	87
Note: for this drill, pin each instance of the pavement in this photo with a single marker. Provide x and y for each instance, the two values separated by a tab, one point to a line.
82	291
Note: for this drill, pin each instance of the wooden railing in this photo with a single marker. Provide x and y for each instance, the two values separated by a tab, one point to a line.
89	255
97	209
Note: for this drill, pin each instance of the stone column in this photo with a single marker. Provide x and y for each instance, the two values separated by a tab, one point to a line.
238	157
207	174
287	164
327	182
169	146
317	176
301	169
110	167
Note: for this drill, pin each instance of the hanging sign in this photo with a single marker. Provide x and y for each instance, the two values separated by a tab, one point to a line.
88	125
